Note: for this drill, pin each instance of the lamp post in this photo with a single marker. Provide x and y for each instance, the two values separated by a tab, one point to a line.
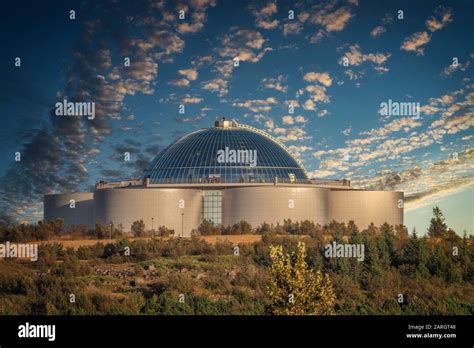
152	230
182	224
110	233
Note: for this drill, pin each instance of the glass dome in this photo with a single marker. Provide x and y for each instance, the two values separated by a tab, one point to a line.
227	153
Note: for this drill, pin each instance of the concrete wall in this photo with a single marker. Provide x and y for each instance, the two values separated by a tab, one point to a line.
124	206
271	204
365	207
58	206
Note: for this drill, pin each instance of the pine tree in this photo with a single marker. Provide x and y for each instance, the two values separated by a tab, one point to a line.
416	253
438	227
294	288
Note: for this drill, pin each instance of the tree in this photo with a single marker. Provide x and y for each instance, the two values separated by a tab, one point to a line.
263	228
164	232
294	288
438	227
138	228
242	227
101	230
207	228
416	253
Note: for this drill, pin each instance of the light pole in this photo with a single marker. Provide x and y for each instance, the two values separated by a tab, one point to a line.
182	224
110	234
152	230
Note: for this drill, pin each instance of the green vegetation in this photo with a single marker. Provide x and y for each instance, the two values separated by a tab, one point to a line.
434	274
294	288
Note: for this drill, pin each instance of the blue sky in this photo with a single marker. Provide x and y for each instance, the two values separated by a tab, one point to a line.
335	62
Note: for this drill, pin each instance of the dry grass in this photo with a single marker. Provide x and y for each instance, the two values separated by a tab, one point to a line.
234	239
76	243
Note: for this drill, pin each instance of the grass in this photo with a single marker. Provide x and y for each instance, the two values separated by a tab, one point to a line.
76	243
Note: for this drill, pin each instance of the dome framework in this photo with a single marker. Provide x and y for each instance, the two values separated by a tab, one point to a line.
226	153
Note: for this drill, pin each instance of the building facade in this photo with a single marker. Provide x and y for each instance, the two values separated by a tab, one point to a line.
224	174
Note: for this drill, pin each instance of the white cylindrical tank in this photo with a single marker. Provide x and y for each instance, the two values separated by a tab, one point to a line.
274	204
75	208
175	208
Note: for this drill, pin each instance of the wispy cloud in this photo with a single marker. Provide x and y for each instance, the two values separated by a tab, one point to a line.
414	42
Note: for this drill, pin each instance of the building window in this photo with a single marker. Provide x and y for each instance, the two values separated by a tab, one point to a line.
212	206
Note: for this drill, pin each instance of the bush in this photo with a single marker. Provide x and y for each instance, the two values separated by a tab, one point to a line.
207	228
138	228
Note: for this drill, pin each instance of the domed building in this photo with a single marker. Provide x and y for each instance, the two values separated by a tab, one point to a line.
224	174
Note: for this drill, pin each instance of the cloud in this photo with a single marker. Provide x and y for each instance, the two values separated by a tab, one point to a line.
355	57
300	119
243	37
269	124
323	113
288	119
202	4
292	28
160	44
275	83
422	185
328	17
263	15
297	151
242	44
319	153
459	123
189	119
309	105
257	105
415	41
380	29
268	24
195	26
405	123
322	78
451	69
318	93
443	16
60	150
321	173
198	16
291	134
333	20
377	31
183	83
187	99
190	74
347	131
332	163
217	85
382	144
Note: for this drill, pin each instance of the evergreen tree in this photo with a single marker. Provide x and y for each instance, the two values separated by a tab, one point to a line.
438	227
416	253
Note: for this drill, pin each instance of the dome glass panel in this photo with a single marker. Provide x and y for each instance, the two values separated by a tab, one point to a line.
227	153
